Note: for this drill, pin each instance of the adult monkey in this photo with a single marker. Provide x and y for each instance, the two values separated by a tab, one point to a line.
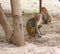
46	17
32	26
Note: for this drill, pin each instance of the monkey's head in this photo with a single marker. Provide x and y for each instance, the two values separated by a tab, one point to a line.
37	16
44	10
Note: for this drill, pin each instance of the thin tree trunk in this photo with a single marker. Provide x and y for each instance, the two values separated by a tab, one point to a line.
3	21
18	36
40	6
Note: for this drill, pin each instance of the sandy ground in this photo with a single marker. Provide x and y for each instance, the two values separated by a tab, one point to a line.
48	44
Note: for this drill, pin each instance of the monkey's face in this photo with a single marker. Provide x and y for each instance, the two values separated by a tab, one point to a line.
38	17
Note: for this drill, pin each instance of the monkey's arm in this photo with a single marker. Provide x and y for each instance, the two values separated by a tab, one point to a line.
51	19
38	32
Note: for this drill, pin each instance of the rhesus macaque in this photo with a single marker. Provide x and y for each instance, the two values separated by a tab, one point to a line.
32	28
46	17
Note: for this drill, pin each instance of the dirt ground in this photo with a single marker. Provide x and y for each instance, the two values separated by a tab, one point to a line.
50	40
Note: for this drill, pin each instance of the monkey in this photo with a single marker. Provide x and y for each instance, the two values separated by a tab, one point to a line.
32	28
46	17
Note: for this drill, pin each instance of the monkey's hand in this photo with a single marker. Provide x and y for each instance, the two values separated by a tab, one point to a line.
39	26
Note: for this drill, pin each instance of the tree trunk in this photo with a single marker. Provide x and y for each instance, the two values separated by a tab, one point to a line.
3	21
18	36
40	6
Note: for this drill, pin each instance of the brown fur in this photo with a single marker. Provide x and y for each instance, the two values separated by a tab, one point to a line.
48	17
31	26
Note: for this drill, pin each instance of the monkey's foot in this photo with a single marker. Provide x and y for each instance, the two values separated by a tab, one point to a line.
39	36
42	34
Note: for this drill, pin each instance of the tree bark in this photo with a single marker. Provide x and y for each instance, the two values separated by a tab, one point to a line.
18	36
3	21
